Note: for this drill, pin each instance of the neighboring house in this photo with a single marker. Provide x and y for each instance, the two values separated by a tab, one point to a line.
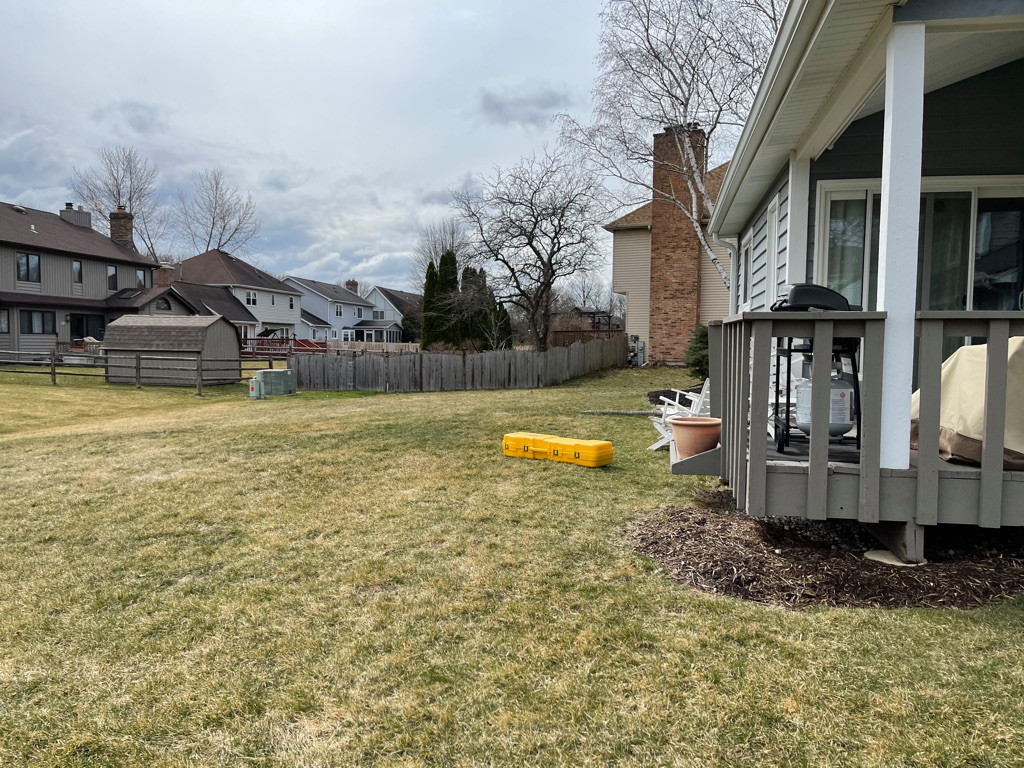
658	263
884	158
61	280
275	305
212	300
391	308
330	312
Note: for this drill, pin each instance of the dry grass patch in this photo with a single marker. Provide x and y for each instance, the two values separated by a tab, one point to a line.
328	580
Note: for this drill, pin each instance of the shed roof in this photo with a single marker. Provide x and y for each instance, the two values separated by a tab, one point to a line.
218	267
331	291
164	334
42	230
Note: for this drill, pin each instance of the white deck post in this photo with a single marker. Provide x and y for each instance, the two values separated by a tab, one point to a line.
897	258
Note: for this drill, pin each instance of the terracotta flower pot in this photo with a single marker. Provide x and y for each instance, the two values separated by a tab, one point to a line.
694	434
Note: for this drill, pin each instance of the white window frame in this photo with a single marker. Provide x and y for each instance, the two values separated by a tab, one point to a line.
334	333
347	334
291	302
854	189
339	310
771	275
378	314
359	313
251	299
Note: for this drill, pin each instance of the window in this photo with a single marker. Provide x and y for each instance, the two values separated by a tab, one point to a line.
291	302
163	304
339	310
76	271
38	322
5	321
348	335
359	312
28	267
378	314
245	331
140	278
272	297
312	333
250	298
334	333
111	277
745	271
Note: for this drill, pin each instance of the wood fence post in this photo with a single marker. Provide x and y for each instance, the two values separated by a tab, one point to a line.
138	371
384	360
271	362
199	375
53	366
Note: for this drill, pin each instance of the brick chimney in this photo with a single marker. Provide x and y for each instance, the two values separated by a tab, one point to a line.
121	227
675	248
165	274
352	285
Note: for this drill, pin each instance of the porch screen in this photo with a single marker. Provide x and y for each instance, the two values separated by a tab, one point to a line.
846	248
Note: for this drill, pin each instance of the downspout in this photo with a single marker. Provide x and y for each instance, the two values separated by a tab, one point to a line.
734	255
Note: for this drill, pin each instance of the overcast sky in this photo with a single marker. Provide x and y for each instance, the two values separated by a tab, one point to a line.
348	121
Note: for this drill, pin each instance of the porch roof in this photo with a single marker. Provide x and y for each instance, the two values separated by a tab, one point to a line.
826	69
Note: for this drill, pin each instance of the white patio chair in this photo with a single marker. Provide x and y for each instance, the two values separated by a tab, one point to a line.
696	405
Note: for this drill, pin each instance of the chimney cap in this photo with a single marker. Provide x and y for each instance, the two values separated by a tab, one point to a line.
69	206
120	209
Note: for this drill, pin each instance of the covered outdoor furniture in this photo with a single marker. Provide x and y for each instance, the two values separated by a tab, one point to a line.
684	404
962	409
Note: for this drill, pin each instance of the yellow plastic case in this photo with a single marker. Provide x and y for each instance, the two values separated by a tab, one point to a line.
586	453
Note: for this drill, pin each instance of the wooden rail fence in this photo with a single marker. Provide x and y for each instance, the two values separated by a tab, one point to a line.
437	372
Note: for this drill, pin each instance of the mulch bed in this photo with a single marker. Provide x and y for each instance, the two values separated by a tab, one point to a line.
803	563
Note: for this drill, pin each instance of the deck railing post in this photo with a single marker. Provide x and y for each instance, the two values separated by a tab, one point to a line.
929	385
821	395
991	501
758	440
53	366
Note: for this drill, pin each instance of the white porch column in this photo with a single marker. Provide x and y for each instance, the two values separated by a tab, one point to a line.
897	258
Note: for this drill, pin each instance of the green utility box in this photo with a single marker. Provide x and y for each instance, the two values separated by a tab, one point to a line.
277	382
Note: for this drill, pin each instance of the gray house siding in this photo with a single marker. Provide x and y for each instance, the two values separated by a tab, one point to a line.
971	128
764	287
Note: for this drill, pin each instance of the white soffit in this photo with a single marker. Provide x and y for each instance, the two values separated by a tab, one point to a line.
950	57
842	29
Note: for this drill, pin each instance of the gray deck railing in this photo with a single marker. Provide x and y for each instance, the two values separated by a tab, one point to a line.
742	353
932	329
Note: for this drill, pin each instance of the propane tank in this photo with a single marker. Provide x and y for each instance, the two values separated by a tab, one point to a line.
840	411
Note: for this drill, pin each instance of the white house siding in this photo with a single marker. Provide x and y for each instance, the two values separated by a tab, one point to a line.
631	276
765	288
277	314
380	303
325	310
714	295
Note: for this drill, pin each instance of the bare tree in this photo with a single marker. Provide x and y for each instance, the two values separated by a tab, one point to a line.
587	289
432	240
531	226
690	63
216	215
124	176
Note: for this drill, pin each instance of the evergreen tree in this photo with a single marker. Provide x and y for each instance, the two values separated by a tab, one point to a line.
428	334
505	334
446	300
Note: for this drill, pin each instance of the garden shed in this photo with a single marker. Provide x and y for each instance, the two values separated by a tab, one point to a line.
149	349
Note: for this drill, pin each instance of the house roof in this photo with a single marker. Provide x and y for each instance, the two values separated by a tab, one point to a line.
218	267
376	324
165	334
331	291
310	319
214	299
403	301
824	71
41	230
640	218
37	300
134	298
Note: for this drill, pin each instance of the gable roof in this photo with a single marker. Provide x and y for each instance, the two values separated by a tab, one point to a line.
404	301
214	300
133	298
41	230
331	291
218	267
310	319
639	218
167	334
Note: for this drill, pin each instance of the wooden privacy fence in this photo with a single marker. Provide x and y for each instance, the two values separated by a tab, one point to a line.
167	369
436	372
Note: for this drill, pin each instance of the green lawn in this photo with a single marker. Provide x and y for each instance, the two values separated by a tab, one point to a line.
340	580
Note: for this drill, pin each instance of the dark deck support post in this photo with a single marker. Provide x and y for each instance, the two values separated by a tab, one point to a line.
53	366
905	540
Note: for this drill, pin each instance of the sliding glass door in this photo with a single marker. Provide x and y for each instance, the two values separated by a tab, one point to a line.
998	280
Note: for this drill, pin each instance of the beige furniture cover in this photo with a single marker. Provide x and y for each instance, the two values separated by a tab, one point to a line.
962	412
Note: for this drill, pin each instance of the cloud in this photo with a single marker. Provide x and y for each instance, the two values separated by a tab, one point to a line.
144	119
530	104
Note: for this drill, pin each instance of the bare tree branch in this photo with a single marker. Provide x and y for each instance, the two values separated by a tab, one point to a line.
216	215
